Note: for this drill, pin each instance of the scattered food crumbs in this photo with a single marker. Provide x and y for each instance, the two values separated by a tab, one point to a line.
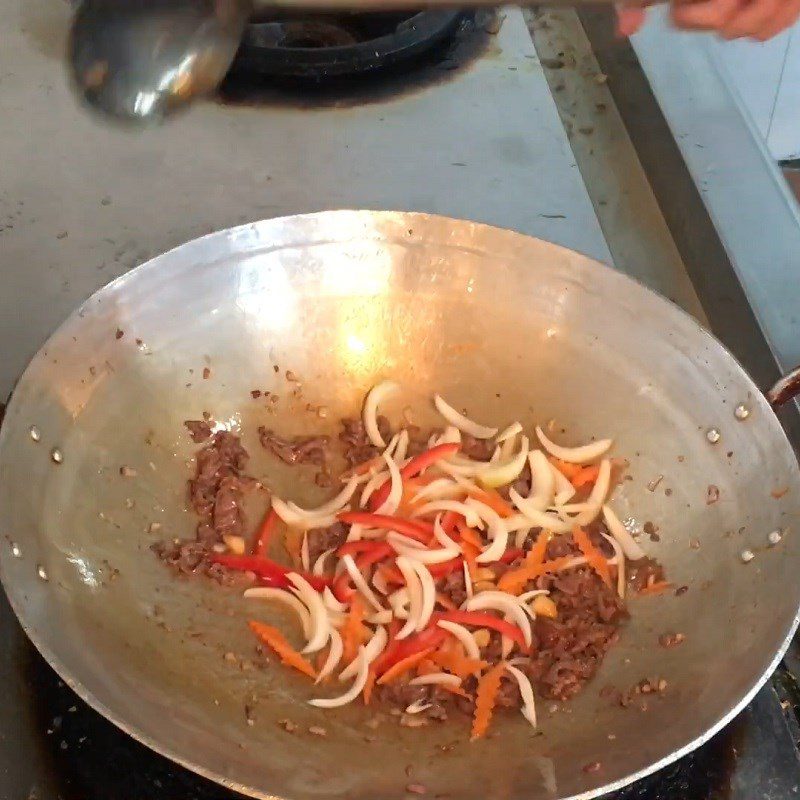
681	590
653	484
127	472
129	503
63	745
409	770
316	730
290	376
416	788
694	544
681	459
322	412
230	657
276	368
712	494
594	766
671	639
72	709
287	725
255	394
662	685
612	736
152	466
785	705
778	493
139	342
154	527
119	334
206	373
372	723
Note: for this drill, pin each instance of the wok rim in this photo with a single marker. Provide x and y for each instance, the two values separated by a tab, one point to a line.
250	791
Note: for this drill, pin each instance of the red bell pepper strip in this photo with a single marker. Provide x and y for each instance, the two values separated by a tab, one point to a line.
511	555
420	531
362	546
481	619
267	570
413	468
398	649
265	533
445	567
449	521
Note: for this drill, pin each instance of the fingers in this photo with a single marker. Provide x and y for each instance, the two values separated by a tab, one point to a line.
706	15
752	19
759	19
788	14
629	20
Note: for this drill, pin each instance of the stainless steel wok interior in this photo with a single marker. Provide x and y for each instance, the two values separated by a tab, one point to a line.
509	327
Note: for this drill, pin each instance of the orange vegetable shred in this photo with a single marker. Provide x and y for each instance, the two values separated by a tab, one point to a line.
351	630
597	561
586	476
273	638
492	498
655	588
458	663
369	686
401	667
485	699
514	580
565	468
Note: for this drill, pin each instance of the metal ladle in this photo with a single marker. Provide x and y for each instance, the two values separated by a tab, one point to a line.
143	60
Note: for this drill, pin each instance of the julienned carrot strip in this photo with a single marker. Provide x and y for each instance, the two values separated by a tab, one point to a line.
351	630
514	580
428	667
471	547
597	561
491	498
265	532
485	699
403	666
470	536
273	638
655	588
369	686
458	663
565	468
586	475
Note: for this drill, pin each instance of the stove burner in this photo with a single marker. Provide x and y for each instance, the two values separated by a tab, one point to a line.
315	48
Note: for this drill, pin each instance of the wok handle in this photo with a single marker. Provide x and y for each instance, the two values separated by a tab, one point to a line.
786	389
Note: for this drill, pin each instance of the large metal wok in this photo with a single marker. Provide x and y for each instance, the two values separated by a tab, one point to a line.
509	327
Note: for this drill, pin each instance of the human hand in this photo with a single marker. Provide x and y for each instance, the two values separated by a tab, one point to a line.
732	19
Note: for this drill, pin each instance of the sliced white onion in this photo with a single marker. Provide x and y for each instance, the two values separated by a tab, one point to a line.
450	435
461	422
375	396
506	644
471	517
628	544
442	537
392	501
570	508
401	448
505	472
389	451
320	624
528	596
565	491
520	536
434	679
418	706
298	520
319	564
507	605
305	559
536	518
334	656
461	467
354	691
620	559
330	601
575	455
498	532
414	586
356	533
440	489
422	555
598	496
543	481
526	693
379	582
378	479
287	598
333	506
381	617
372	649
360	583
468	587
428	594
463	635
497	454
512	430
400	601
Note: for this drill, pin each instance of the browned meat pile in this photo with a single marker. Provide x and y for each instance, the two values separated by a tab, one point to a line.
322	539
216	494
356	443
297	450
